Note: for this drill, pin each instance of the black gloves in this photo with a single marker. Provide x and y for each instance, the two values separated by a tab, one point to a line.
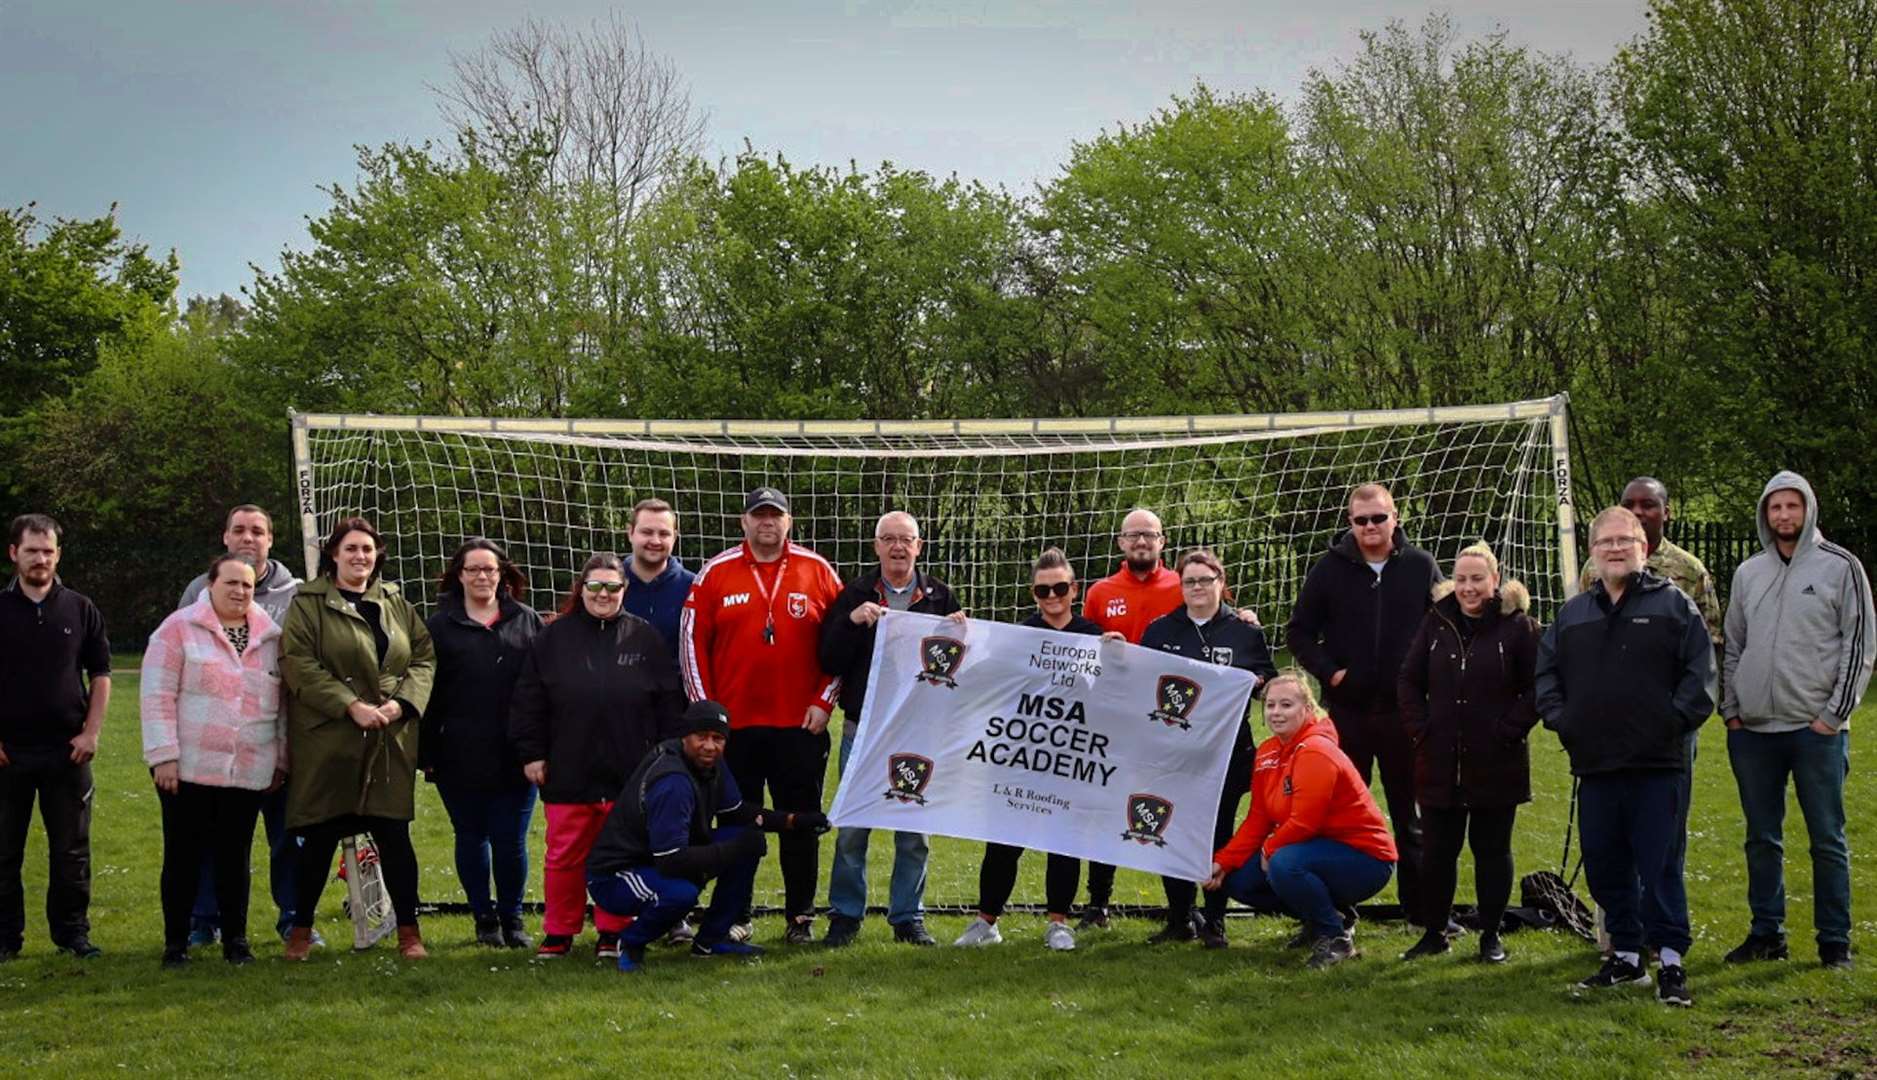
782	820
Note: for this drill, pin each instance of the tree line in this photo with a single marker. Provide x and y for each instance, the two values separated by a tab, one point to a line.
1684	239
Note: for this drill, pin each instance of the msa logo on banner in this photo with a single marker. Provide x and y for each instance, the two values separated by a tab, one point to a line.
1175	697
939	658
906	777
1148	817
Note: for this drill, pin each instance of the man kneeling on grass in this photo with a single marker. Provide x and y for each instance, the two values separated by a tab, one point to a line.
658	847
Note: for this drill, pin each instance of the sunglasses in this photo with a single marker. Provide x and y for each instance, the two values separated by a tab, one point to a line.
607	587
1044	592
1369	519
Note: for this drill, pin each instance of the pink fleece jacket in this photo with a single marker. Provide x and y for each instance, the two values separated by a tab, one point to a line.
215	714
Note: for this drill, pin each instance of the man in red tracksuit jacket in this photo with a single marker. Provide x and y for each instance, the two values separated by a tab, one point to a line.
749	638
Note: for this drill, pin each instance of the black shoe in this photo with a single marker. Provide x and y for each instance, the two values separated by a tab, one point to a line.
1671	986
82	948
1212	933
489	931
1432	943
607	946
1179	929
842	931
1302	939
1490	950
1094	917
1835	954
801	930
1616	971
1759	947
912	932
175	956
236	951
513	935
1330	951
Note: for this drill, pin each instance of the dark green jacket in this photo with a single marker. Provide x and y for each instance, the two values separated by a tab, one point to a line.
328	659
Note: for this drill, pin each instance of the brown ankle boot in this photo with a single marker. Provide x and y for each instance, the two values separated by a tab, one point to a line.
299	943
411	944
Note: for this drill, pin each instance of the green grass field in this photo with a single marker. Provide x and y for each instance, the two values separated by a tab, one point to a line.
1113	1007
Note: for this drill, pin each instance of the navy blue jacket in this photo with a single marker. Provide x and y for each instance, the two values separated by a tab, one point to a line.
1622	684
463	737
1348	617
661	600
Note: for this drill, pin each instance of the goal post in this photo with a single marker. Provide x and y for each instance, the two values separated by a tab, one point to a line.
1268	493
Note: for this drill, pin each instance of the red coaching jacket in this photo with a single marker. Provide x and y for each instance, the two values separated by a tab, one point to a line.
1304	791
1124	602
750	632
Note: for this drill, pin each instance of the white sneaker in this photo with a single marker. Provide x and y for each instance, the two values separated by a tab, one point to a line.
980	933
1059	937
742	932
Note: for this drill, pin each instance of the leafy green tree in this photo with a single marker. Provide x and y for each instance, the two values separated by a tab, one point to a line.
1753	127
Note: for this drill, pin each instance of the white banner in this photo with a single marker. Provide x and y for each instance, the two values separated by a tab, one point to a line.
1046	740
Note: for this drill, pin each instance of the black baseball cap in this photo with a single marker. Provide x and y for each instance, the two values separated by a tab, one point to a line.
765	496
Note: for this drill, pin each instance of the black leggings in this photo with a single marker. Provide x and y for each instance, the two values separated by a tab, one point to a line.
1180	892
217	821
1488	830
997	876
396	861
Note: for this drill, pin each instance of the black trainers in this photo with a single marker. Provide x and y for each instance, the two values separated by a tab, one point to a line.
842	930
237	951
513	934
1179	929
1330	951
82	948
1491	951
1759	947
1302	939
1212	934
801	931
1432	943
913	932
1616	971
175	956
1094	917
554	946
1671	986
607	947
489	931
1835	954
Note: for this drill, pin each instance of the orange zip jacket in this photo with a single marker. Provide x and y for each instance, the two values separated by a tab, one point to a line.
765	680
1304	791
1124	602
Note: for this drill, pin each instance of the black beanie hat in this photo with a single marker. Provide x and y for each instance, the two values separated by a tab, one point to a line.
703	716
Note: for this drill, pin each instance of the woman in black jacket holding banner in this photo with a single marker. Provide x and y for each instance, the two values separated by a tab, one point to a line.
1205	629
1467	699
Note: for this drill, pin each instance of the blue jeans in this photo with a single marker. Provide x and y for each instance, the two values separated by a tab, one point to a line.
847	885
1631	834
1818	765
282	873
656	902
1311	880
491	837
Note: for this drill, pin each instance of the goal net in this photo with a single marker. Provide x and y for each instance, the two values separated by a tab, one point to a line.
1266	492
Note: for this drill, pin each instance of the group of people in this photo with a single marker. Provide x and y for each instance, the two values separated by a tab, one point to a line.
655	710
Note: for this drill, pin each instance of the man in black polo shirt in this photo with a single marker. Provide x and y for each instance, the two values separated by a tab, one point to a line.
52	644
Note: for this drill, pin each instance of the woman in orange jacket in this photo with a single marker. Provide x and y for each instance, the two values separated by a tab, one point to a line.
1314	842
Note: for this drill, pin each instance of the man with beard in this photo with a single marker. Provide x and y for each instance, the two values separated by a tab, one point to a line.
659	583
679	822
1801	638
749	638
55	683
1360	606
248	534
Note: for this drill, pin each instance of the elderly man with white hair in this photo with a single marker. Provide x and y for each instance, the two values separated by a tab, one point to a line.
847	653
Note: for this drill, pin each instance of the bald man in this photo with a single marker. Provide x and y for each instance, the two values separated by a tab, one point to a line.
847	653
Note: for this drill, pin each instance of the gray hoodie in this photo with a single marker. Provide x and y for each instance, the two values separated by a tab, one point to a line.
1801	635
273	592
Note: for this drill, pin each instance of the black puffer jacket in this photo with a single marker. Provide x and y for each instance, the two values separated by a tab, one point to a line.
1348	617
463	738
594	696
1466	699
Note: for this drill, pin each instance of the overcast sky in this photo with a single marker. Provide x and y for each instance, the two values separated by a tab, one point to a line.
210	124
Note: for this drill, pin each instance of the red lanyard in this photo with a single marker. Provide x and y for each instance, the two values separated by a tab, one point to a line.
769	597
